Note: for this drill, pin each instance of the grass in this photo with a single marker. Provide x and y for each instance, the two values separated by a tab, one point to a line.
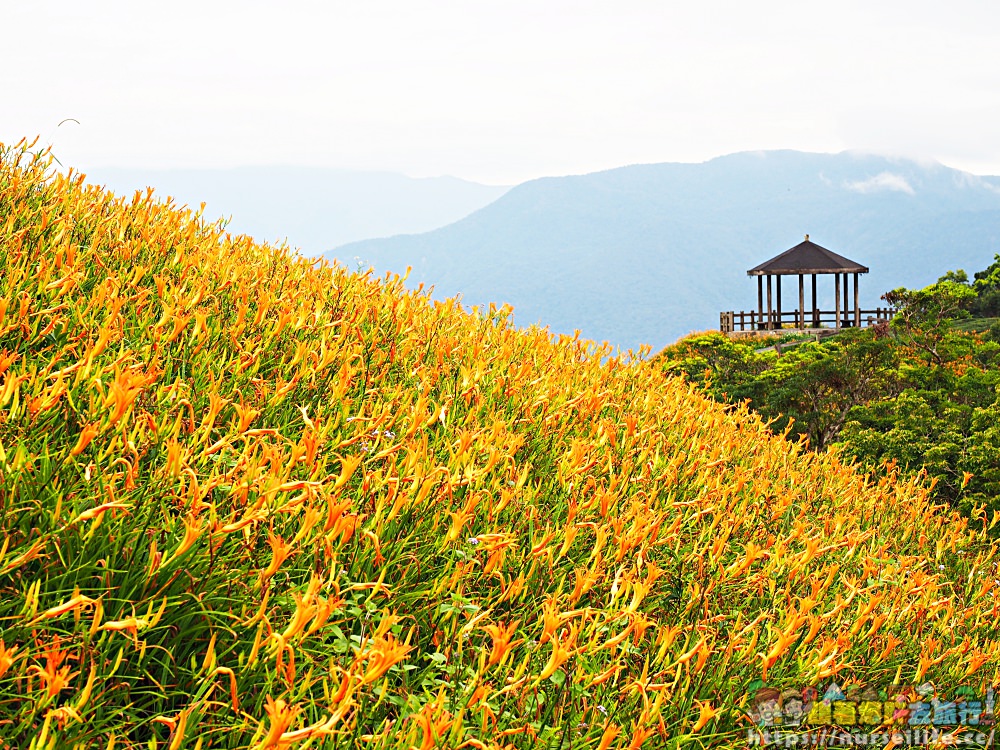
975	325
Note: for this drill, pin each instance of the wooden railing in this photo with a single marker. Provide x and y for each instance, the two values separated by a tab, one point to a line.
753	320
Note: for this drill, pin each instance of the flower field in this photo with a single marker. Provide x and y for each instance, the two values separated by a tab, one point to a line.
253	501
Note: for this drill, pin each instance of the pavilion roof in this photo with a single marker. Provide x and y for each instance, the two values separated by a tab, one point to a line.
805	258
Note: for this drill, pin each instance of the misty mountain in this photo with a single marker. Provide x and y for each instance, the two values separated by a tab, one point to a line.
647	253
314	209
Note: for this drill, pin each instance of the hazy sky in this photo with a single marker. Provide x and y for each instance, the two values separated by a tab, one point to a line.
498	91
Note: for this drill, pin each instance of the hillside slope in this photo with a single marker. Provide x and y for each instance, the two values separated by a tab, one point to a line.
249	500
647	253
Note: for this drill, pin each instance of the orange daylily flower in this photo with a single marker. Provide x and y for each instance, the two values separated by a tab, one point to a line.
501	635
88	433
705	714
7	657
381	655
54	676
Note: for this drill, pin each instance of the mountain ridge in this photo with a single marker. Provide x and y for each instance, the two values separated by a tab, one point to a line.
313	208
646	253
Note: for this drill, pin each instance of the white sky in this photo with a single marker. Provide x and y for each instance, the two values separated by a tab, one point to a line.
498	91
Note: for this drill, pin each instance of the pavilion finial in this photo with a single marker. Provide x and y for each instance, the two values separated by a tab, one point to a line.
807	238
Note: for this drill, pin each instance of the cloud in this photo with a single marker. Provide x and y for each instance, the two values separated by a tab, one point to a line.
881	182
974	181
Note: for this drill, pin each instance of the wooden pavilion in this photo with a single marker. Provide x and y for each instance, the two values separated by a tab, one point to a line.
805	259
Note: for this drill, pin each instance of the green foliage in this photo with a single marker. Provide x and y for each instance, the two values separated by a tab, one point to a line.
807	389
725	366
987	288
923	316
921	395
984	301
812	388
956	443
959	277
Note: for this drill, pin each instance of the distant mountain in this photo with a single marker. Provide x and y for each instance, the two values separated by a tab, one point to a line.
313	208
647	253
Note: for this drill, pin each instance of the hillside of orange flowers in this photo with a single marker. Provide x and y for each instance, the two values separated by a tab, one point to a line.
249	500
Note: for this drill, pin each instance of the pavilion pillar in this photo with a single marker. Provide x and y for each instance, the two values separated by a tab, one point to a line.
846	300
836	295
770	322
847	303
760	302
802	302
777	281
815	307
857	307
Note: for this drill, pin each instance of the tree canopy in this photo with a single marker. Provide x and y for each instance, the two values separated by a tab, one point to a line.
920	394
